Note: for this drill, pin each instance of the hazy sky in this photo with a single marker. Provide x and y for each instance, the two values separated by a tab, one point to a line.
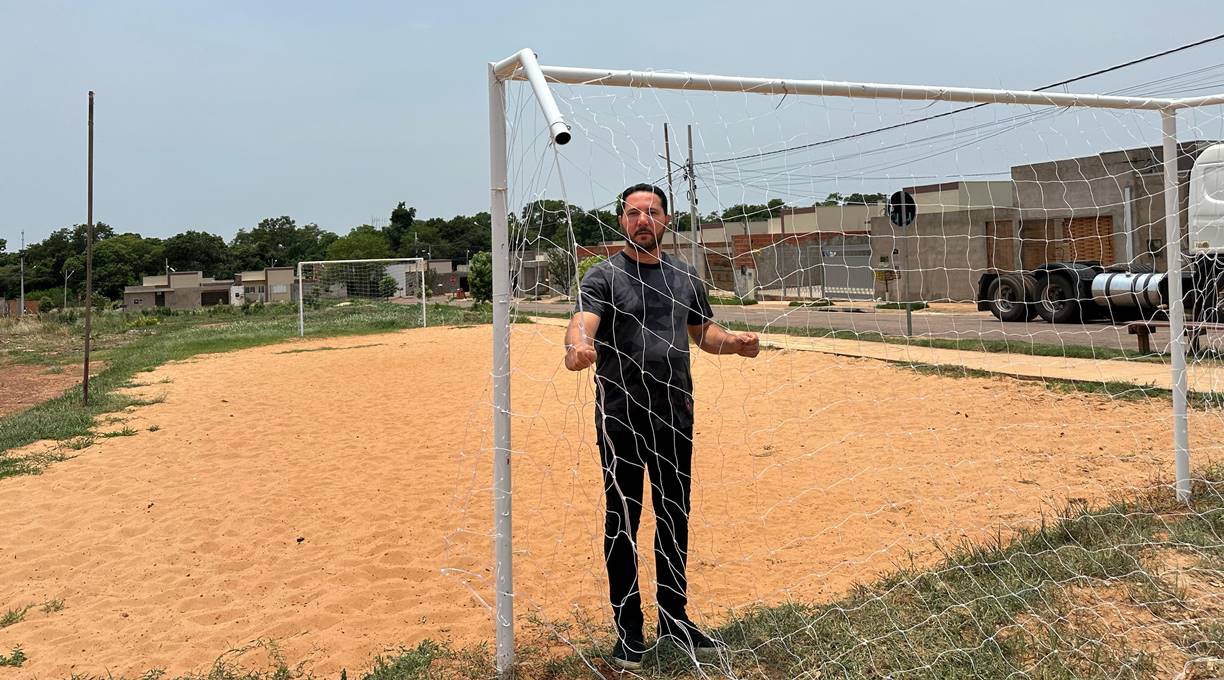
213	115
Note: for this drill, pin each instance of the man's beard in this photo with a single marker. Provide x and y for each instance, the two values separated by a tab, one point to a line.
650	249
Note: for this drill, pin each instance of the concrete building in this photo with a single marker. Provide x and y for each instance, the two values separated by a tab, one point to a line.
961	229
178	290
1108	207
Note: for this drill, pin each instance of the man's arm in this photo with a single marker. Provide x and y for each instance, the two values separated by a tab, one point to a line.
715	339
580	341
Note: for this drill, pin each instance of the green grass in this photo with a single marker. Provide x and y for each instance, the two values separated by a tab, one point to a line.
126	354
811	303
731	301
1058	601
1113	389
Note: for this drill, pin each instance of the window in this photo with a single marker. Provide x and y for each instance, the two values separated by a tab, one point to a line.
280	288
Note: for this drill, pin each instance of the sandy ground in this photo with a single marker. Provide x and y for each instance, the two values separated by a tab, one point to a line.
24	386
338	500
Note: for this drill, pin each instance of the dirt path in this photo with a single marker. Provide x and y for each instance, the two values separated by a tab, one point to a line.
338	500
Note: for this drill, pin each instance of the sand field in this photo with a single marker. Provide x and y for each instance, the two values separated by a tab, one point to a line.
334	494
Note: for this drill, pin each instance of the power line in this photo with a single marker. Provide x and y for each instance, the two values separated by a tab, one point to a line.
963	108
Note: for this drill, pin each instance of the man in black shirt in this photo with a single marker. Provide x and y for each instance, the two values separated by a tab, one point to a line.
636	312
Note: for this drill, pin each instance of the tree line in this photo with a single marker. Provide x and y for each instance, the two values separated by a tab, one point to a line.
123	258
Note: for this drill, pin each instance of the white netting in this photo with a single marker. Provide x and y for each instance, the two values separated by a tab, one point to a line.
343	287
969	490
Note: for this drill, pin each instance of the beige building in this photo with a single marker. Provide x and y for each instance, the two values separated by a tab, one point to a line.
193	290
178	290
273	284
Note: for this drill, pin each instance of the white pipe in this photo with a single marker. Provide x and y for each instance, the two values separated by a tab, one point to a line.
1189	102
557	128
1177	312
301	307
1128	223
502	526
376	259
829	88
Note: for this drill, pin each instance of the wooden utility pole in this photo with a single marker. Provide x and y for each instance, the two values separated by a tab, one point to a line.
671	198
88	251
694	222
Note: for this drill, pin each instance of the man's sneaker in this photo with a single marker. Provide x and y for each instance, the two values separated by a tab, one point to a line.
628	655
686	635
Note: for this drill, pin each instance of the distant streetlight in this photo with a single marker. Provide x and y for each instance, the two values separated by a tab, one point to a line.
66	277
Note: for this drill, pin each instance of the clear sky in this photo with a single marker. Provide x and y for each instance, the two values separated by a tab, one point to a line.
214	115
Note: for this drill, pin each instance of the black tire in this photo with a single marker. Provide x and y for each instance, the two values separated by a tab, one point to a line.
1034	297
1008	298
1059	301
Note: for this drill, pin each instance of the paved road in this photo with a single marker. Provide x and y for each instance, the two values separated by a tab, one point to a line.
928	324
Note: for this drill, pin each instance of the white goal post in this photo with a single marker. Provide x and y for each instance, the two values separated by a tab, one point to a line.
523	66
342	279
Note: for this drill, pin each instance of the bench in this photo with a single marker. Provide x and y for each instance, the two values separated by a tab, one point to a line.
1143	330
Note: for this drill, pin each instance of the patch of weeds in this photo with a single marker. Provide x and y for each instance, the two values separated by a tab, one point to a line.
13	660
52	606
54	370
154	428
14	616
78	443
125	432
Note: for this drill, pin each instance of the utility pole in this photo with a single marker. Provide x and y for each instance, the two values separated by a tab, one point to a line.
671	199
21	309
88	250
694	225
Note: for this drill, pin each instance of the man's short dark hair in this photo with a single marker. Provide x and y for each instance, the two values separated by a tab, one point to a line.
620	202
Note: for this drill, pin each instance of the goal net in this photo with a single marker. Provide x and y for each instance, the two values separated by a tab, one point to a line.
964	447
329	291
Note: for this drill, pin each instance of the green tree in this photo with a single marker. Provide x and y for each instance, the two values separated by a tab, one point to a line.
561	269
362	243
122	260
400	226
745	212
546	223
199	251
480	277
587	263
387	287
279	242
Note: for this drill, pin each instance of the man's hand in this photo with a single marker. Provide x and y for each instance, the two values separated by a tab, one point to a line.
579	356
749	344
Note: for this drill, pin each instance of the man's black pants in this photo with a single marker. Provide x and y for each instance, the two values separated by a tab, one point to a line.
666	454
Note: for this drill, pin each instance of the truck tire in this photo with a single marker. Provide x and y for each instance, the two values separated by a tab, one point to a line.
1032	292
1008	298
1059	301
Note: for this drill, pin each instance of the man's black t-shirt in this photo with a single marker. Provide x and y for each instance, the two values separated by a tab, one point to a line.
642	374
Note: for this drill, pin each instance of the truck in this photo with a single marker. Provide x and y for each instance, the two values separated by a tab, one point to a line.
1078	291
